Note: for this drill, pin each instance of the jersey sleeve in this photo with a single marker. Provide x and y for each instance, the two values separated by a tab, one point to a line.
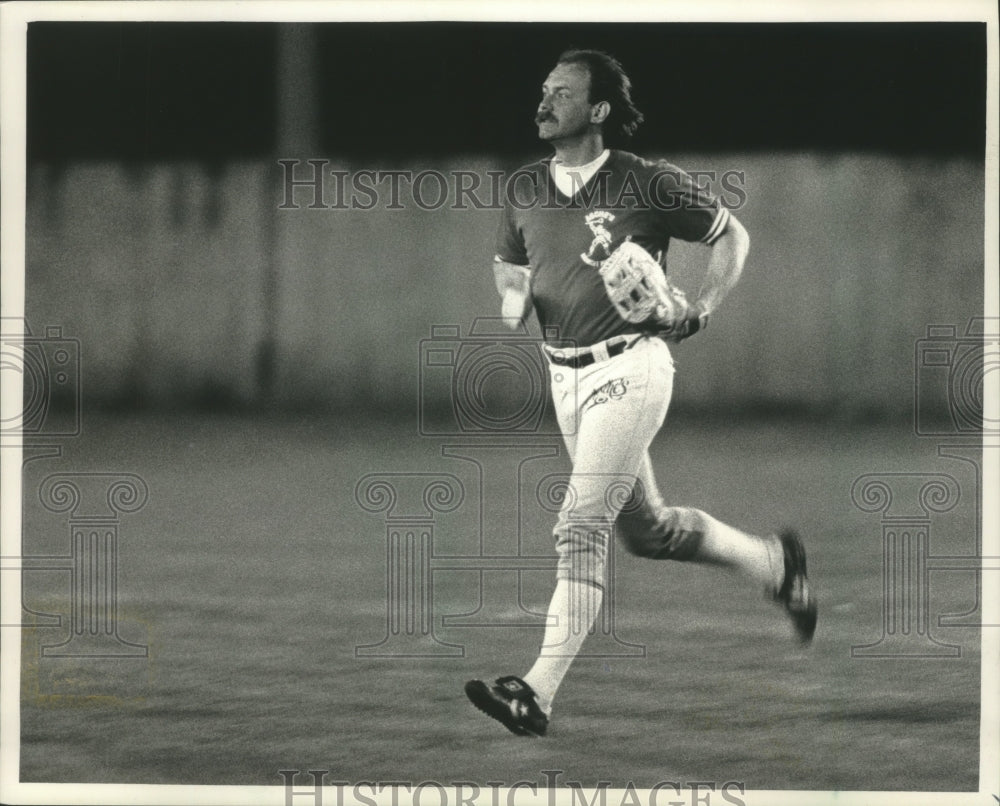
690	212
510	240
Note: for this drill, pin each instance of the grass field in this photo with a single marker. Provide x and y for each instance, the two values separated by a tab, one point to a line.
252	574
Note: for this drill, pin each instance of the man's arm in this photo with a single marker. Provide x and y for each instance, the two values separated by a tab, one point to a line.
729	253
514	286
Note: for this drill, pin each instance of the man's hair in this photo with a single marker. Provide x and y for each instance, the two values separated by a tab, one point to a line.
608	82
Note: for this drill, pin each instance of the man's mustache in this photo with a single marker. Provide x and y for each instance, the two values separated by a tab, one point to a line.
541	117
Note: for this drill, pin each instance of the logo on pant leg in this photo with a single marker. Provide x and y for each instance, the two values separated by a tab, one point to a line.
614	389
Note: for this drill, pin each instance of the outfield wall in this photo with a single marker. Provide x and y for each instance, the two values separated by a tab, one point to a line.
185	283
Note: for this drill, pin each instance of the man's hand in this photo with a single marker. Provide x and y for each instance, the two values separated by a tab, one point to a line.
693	320
514	307
514	286
729	252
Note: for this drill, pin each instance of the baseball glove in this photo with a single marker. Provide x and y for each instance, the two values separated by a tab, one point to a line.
640	292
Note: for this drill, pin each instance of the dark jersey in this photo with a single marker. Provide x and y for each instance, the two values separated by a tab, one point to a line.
564	240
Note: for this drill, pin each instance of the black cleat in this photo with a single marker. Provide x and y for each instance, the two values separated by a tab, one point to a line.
794	594
511	702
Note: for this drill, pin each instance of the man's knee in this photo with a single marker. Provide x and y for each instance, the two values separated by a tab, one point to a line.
668	533
582	553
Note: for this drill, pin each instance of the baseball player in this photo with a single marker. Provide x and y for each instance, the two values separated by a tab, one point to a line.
575	243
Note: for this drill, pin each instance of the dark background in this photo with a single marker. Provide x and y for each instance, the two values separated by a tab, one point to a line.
154	162
150	91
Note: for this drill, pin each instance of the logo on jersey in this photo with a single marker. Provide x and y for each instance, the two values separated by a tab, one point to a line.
600	247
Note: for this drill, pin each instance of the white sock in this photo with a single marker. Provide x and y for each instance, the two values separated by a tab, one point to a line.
760	558
572	612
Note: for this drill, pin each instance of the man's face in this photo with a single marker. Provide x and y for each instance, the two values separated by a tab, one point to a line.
565	107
